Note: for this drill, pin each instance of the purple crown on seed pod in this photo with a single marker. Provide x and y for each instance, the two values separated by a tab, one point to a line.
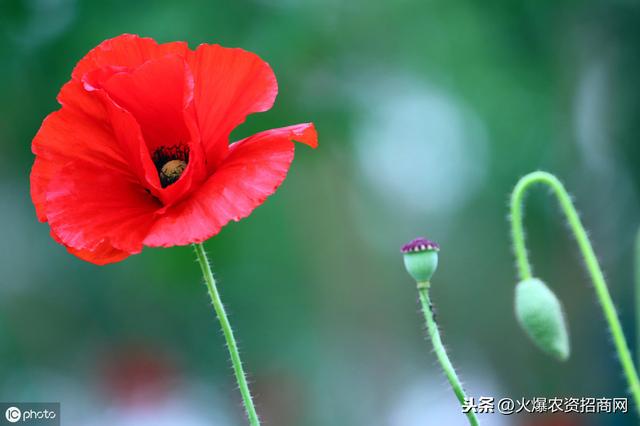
420	244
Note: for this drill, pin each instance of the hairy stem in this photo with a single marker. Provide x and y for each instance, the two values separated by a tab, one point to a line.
441	353
228	334
590	260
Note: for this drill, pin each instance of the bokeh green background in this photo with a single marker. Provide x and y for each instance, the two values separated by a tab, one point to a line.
428	112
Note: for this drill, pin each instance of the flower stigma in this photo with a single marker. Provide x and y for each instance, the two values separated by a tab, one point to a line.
171	161
171	172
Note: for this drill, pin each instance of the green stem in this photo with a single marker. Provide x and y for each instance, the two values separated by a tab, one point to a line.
590	260
228	335
441	353
636	262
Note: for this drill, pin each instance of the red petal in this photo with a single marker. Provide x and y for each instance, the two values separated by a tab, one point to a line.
129	135
253	170
77	131
41	174
164	116
125	133
87	208
81	180
127	50
229	85
102	255
157	94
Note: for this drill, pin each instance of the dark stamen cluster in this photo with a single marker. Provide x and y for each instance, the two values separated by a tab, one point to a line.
170	162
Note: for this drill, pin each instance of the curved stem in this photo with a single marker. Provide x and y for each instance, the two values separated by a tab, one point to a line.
590	260
636	264
228	335
441	353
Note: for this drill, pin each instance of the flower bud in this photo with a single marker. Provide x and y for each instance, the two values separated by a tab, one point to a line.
540	314
421	258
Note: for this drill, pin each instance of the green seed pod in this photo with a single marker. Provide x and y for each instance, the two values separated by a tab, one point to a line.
421	259
540	314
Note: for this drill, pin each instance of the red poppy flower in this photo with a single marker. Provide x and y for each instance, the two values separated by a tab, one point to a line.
139	155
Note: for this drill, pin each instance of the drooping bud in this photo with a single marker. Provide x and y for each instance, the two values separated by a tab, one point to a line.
421	259
540	314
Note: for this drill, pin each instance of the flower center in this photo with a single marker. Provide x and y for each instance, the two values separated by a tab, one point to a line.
170	161
171	172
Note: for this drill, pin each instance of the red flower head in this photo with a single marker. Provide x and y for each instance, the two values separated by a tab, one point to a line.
139	153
